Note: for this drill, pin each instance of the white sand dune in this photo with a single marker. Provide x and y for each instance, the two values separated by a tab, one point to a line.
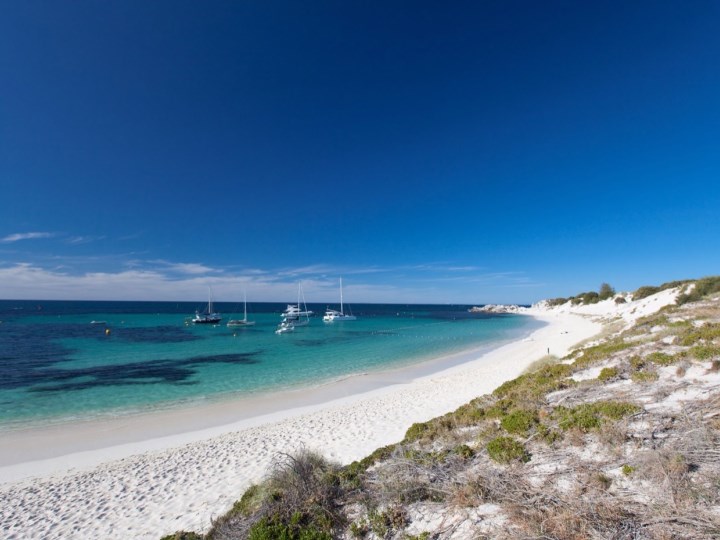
148	476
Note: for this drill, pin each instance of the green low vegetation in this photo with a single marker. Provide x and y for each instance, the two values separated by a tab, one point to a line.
506	450
708	332
703	288
590	416
608	373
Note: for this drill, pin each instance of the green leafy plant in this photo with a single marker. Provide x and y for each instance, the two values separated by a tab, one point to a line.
590	416
519	422
506	450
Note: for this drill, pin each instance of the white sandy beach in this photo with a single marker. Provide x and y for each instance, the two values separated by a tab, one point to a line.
144	477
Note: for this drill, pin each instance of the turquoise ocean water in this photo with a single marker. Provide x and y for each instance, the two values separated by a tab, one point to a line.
57	366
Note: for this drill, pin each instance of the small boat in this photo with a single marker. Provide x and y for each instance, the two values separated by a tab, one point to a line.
332	315
285	326
241	323
293	316
293	310
208	316
98	322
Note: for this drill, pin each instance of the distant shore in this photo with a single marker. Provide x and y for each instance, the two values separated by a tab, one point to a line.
177	469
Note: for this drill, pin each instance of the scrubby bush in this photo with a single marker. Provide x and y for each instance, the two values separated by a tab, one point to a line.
661	359
703	287
707	332
645	291
608	373
554	302
182	535
519	422
299	501
705	352
506	450
590	297
606	291
644	376
620	300
600	352
590	416
464	451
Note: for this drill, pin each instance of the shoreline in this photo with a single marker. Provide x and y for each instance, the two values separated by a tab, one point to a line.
52	446
180	480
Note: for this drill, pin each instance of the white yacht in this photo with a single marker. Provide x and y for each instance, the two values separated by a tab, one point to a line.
332	315
293	316
241	323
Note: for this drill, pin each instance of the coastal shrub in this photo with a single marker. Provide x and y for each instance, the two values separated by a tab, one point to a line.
547	435
464	451
703	287
530	387
469	414
600	352
661	359
506	450
350	476
637	362
430	430
606	291
417	431
299	501
627	470
620	300
707	332
554	302
589	416
715	366
608	373
645	291
644	376
182	535
705	352
250	501
519	422
590	297
383	523
275	528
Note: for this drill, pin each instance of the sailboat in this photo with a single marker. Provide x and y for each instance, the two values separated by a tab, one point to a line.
241	323
208	316
332	315
292	316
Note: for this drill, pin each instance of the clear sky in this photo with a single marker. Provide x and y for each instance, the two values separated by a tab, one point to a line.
463	152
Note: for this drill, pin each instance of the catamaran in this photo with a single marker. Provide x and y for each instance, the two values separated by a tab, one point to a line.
332	315
241	323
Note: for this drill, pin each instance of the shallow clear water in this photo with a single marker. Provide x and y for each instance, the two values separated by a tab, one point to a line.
56	365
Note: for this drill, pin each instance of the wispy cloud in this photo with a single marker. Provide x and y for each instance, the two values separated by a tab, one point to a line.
74	240
159	279
190	268
26	236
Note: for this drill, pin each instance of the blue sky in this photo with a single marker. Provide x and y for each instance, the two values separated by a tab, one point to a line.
464	152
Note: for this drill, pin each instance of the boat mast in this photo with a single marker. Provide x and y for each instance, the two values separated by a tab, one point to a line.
341	299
